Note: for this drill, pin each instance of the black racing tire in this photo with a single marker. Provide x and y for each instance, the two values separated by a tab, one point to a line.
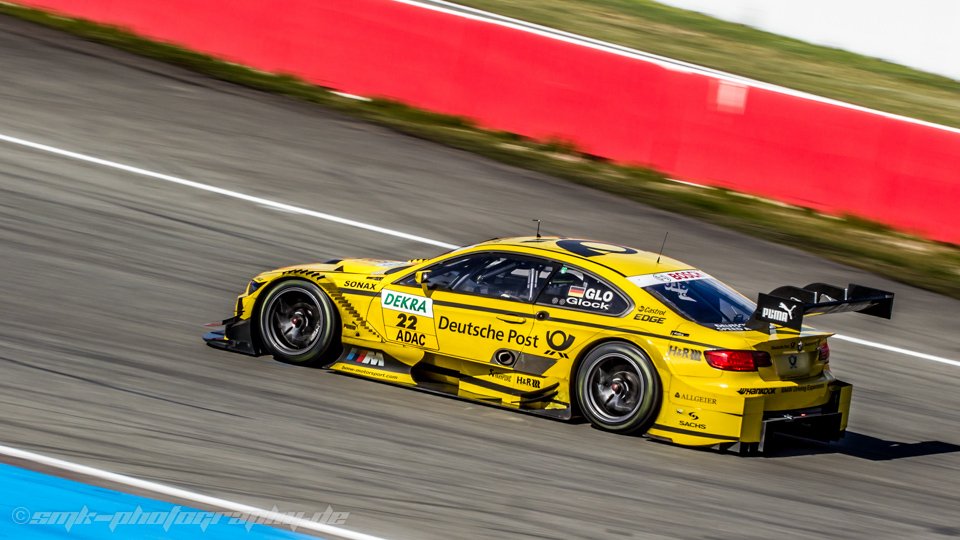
298	324
618	388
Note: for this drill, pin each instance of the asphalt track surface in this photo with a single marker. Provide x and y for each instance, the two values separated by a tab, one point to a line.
108	277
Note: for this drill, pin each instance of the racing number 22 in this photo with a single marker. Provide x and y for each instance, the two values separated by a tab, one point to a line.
407	321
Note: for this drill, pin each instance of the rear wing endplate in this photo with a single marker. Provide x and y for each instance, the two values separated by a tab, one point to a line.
788	305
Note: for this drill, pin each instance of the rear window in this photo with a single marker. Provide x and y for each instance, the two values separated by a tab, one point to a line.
700	298
572	288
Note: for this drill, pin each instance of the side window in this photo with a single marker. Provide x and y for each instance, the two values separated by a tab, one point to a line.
575	289
446	273
507	277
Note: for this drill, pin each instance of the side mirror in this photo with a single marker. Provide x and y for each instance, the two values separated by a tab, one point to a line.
423	278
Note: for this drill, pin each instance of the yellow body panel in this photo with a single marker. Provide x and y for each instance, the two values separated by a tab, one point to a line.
449	342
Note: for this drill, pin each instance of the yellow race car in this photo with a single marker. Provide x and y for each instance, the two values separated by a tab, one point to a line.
561	327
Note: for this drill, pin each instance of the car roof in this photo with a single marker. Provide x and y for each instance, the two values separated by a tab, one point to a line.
625	260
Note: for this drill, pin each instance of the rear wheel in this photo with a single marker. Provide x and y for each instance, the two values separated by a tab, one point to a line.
298	323
618	388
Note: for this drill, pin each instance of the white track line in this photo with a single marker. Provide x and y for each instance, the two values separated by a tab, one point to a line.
668	63
320	215
350	96
891	348
177	493
226	192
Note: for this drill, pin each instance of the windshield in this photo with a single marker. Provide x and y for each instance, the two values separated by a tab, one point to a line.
700	298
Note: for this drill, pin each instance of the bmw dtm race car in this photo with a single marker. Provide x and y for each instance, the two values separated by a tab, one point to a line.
634	342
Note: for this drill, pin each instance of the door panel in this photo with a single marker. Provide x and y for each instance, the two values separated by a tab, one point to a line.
569	309
558	336
475	327
490	308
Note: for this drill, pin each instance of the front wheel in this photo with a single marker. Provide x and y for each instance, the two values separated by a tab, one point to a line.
618	388
298	323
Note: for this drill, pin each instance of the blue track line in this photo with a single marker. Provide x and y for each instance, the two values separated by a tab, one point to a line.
40	506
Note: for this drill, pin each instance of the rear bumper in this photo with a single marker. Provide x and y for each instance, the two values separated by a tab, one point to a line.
236	336
825	423
694	416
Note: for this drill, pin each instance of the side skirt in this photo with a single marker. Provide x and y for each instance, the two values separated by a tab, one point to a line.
428	377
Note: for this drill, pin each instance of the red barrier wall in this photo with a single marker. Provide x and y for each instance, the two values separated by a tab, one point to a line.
827	157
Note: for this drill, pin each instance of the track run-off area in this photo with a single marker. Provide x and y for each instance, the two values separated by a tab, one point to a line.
137	199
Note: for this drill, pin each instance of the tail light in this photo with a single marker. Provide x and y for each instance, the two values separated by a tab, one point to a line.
738	360
824	351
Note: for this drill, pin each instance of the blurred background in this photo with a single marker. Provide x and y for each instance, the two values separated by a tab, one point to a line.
156	156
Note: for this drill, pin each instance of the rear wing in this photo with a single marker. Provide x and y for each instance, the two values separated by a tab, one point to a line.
788	305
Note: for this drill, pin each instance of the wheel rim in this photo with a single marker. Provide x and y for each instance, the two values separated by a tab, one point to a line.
615	388
294	321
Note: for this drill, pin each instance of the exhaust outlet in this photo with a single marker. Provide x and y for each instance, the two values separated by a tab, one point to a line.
505	357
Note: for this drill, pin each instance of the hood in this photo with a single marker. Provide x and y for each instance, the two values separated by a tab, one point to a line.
349	266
